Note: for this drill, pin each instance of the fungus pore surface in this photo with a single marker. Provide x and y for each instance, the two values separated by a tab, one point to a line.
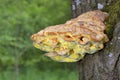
70	42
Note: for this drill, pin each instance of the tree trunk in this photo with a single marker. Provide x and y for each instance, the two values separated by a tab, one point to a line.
16	64
104	64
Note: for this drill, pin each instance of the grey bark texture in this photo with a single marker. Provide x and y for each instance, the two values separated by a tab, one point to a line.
104	64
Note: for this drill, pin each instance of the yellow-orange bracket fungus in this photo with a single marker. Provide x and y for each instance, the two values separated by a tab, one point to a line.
70	42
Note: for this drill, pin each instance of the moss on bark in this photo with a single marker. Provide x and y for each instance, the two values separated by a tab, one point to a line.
114	16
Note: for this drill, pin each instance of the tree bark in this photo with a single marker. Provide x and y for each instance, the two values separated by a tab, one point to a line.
104	64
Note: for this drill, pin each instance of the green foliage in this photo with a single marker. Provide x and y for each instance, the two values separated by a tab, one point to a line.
19	19
34	74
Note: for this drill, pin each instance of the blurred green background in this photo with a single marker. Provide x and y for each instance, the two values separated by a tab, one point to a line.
19	60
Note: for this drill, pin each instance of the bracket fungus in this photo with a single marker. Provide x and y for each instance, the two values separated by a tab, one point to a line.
70	42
